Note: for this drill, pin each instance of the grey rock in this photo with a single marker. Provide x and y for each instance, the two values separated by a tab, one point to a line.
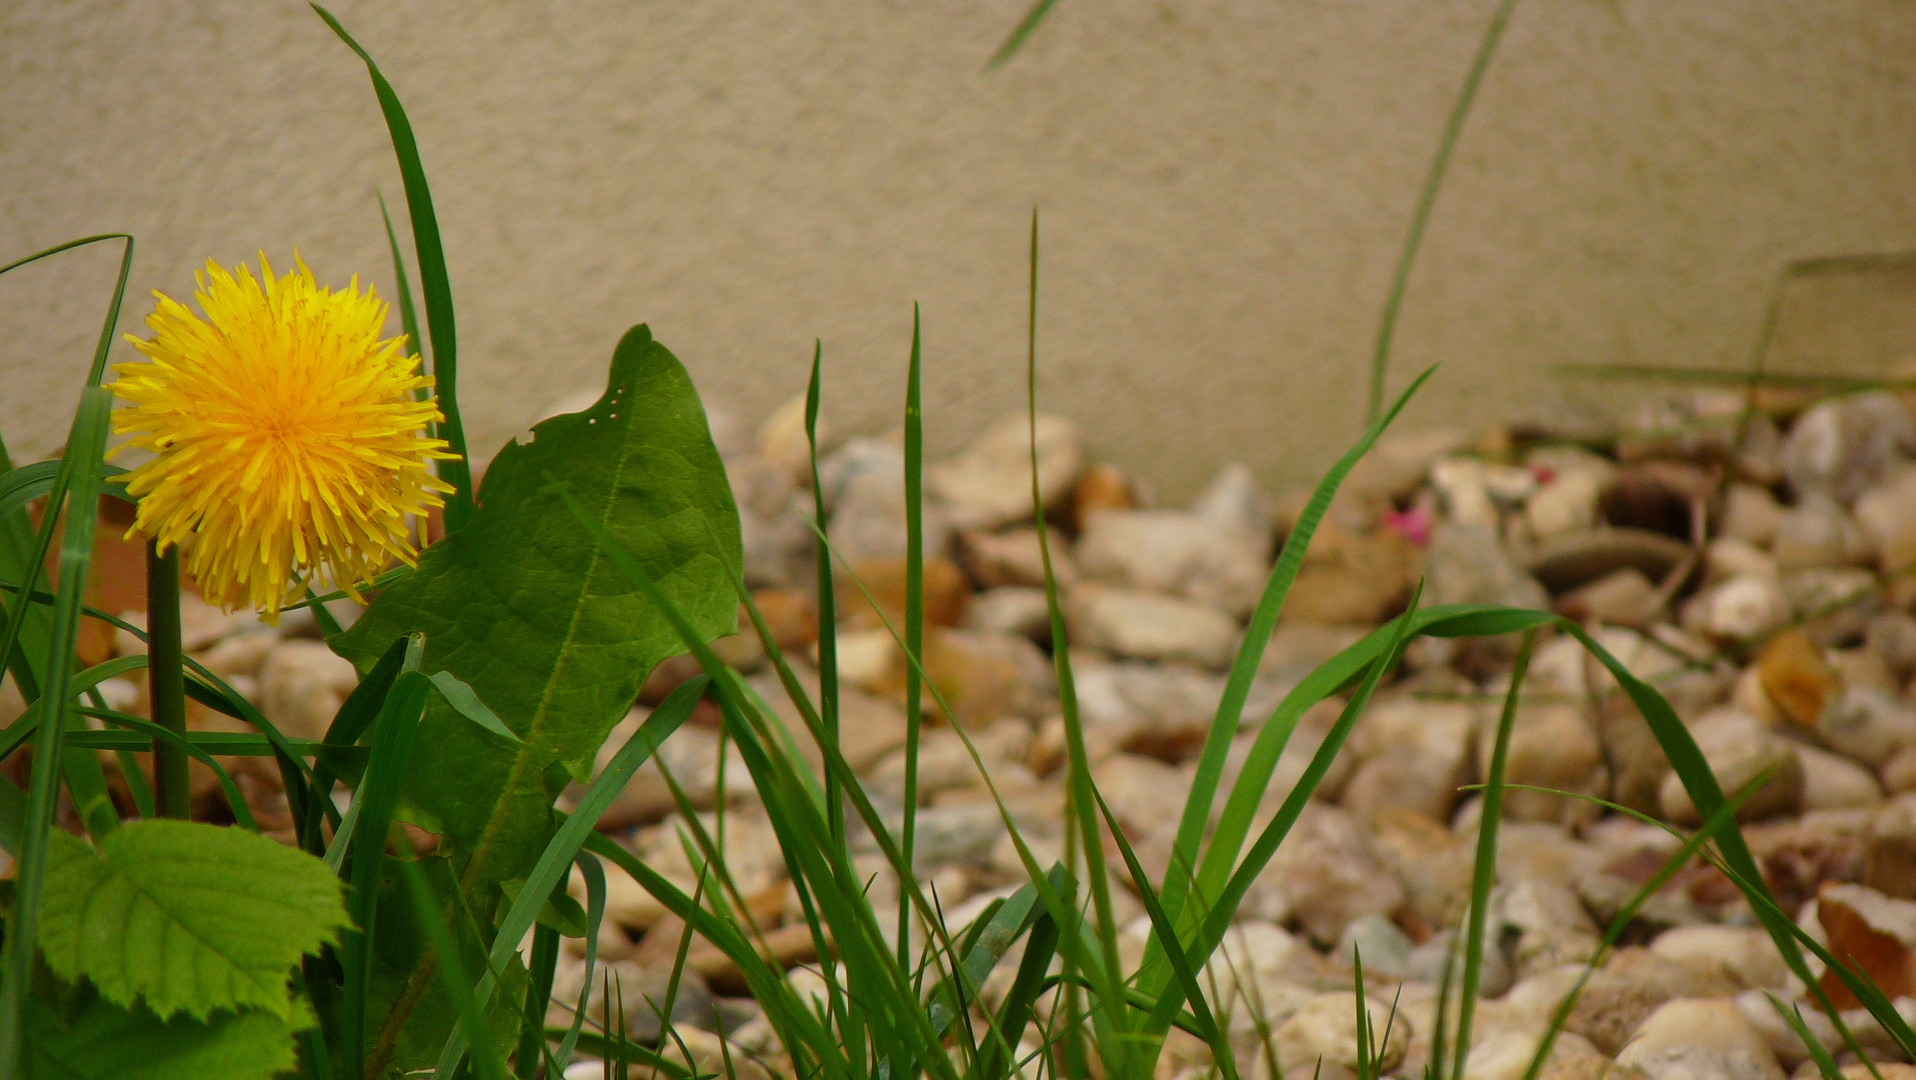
1426	964
1012	609
1384	948
1571	559
1817	532
1845	446
1868	725
1467	564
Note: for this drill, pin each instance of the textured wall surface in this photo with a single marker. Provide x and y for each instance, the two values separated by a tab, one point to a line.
1224	184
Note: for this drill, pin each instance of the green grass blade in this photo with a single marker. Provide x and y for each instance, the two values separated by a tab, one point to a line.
1223	910
545	963
408	316
1484	872
1020	34
827	601
1081	820
1793	1016
185	747
1671	866
1835	384
84	447
1208	1028
914	614
1427	201
433	280
374	804
1237	687
594	874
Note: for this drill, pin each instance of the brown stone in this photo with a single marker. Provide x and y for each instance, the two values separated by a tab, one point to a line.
790	616
1797	677
1353	578
1872	934
1101	487
981	676
947	593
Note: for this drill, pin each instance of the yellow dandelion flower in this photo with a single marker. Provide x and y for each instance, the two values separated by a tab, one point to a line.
290	448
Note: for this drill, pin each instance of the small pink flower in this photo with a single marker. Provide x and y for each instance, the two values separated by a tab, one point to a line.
1413	524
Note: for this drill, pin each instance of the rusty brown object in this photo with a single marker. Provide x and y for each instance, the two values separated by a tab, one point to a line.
1883	956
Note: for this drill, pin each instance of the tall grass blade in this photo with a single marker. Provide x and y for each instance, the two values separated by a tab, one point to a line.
532	1041
1081	821
1237	687
86	444
914	616
1427	202
433	280
827	601
1208	1028
594	875
408	315
1221	912
1484	872
374	805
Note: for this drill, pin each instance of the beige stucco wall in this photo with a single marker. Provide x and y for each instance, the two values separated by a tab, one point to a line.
1224	186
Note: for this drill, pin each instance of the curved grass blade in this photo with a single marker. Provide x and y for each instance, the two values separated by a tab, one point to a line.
1221	913
1208	1028
186	747
594	875
1671	866
1081	825
827	600
408	316
1427	201
433	280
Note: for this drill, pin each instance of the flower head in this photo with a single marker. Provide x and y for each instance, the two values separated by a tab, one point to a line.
289	444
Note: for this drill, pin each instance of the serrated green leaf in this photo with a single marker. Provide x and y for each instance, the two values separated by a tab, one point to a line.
102	1041
186	917
520	605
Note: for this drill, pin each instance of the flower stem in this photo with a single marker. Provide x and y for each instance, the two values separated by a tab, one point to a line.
166	680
